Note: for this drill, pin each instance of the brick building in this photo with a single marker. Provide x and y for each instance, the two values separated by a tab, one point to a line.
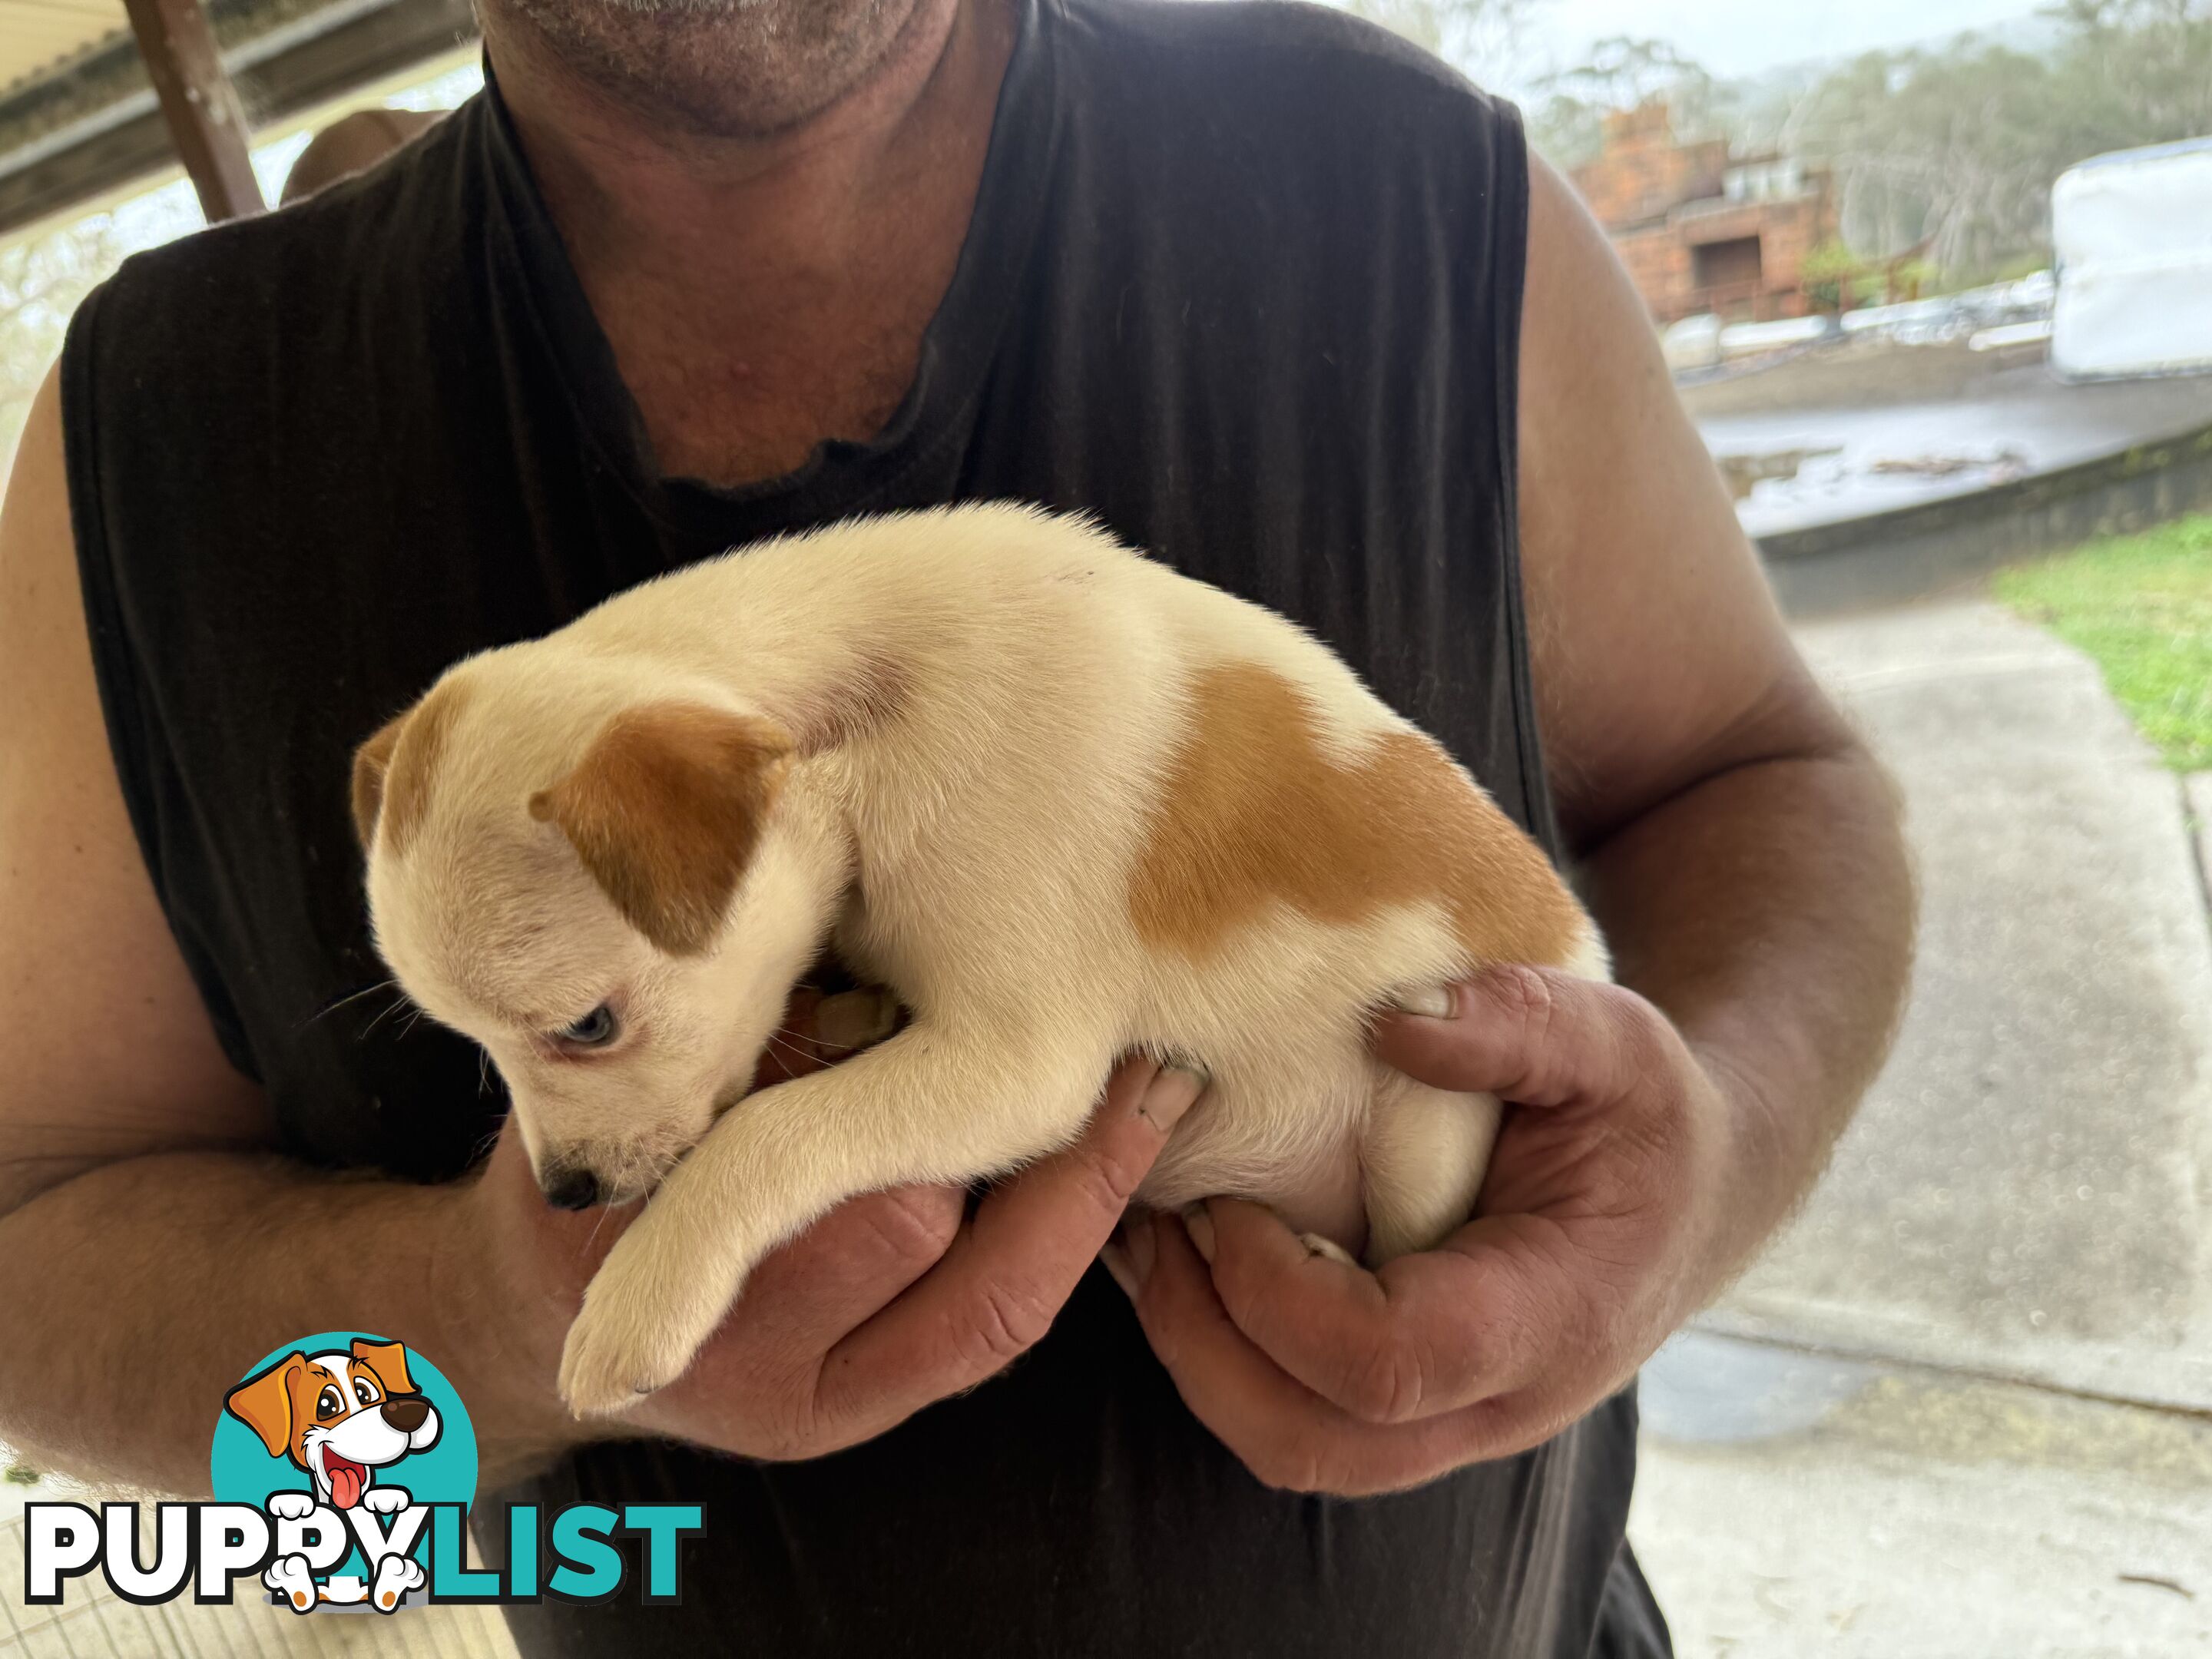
1701	230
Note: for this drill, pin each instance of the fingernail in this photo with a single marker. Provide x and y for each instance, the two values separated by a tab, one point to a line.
1436	1002
853	1020
1119	1267
1173	1091
1139	1245
1198	1222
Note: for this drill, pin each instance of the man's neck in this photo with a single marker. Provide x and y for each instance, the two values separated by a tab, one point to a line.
764	292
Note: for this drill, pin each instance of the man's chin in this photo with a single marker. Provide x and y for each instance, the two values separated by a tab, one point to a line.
727	69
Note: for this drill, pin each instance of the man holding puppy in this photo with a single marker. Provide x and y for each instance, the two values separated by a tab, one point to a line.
1249	283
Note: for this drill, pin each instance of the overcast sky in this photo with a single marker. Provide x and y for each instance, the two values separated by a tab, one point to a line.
1739	37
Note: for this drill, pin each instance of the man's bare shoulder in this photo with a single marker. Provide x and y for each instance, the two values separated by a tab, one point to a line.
1657	652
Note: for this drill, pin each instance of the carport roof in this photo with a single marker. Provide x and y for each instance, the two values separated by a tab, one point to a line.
78	116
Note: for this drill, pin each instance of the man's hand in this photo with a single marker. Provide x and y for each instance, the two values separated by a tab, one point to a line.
892	1302
1741	850
1596	1236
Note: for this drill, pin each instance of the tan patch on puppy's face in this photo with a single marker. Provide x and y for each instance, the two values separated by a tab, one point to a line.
1256	812
665	810
578	847
384	1361
393	771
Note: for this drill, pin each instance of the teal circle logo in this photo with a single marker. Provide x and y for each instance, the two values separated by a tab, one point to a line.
284	1428
353	1426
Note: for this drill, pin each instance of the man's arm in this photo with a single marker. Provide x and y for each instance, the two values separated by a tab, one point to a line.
155	1248
141	1212
1737	841
1741	849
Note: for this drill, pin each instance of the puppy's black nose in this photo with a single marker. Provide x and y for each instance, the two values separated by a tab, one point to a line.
406	1413
573	1189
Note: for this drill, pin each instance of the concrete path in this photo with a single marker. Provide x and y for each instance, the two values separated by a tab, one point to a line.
1868	1511
2198	790
1964	1405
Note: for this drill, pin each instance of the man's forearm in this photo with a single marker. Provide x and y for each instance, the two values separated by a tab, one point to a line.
135	1295
1769	911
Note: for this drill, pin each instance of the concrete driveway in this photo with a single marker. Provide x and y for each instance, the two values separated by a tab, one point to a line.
1963	1405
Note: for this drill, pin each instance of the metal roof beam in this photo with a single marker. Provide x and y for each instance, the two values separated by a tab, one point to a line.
310	60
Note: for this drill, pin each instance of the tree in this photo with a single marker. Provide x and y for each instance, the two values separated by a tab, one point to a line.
2141	70
1622	73
41	281
1959	147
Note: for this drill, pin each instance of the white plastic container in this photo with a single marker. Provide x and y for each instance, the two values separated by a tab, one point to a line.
2134	236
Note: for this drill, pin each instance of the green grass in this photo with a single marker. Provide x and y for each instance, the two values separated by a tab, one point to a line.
2141	606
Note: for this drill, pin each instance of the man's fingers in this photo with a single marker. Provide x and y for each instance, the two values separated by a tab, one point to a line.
791	1051
1013	1267
797	1304
853	1020
1429	1334
818	1032
1532	1036
1287	1434
846	1268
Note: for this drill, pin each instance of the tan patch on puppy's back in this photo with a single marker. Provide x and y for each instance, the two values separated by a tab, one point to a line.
665	810
1256	812
392	771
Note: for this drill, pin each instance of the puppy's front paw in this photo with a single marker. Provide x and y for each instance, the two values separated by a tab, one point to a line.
288	1576
291	1506
639	1326
385	1500
396	1575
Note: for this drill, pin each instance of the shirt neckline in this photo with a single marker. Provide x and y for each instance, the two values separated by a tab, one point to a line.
841	476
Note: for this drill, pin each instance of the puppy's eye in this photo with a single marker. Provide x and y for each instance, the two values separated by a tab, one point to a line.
364	1390
330	1402
595	1031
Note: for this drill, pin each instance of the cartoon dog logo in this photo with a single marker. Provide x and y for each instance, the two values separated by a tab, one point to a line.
342	1416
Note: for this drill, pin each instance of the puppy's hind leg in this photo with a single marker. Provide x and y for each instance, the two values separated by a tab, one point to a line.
1422	1157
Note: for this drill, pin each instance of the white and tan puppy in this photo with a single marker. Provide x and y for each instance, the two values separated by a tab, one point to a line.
1064	802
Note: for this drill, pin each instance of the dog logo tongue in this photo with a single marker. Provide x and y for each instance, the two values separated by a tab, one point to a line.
347	1479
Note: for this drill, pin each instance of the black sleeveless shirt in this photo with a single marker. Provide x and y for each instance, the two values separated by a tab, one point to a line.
1243	281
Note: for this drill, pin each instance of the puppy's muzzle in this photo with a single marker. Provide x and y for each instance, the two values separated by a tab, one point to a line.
570	1188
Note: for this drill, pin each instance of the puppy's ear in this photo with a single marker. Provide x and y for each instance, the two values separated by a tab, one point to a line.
372	764
392	771
388	1360
665	810
263	1403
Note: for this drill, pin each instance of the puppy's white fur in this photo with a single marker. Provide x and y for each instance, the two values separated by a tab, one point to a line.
1005	731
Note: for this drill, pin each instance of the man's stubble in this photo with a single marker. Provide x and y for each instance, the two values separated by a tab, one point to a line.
730	67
